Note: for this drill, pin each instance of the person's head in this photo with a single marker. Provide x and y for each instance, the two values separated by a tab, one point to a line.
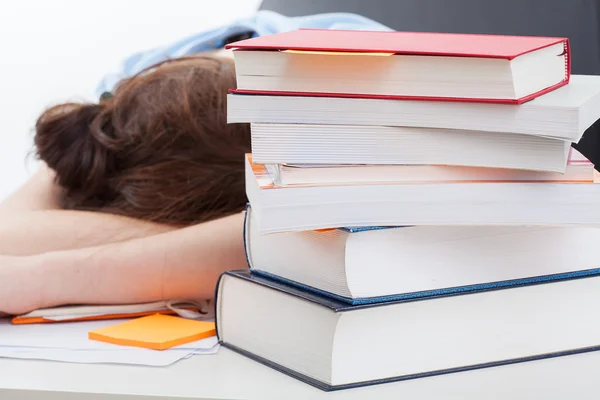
158	149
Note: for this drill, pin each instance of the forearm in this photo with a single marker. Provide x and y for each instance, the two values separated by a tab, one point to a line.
38	193
183	264
36	232
33	222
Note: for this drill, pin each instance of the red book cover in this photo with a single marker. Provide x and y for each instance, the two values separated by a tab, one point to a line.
407	43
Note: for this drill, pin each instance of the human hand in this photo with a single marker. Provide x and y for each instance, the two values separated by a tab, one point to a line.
18	291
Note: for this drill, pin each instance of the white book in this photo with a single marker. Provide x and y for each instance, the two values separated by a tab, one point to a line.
564	113
304	207
384	145
368	265
400	75
403	64
332	345
579	169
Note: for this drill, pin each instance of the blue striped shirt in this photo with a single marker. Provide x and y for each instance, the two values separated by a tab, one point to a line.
262	23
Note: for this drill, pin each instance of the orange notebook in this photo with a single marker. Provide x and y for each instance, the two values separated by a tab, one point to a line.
157	332
185	308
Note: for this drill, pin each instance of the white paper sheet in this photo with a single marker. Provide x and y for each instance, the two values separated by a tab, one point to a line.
69	342
70	335
133	357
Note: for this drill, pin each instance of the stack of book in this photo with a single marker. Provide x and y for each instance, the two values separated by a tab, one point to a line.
416	207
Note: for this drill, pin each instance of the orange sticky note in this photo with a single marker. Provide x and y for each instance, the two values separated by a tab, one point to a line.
158	332
339	53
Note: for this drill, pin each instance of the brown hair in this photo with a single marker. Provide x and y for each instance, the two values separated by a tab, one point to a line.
159	149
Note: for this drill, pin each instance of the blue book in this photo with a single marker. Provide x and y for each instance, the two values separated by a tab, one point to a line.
373	265
333	345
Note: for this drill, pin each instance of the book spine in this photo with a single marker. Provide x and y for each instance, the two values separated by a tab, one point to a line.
567	55
246	234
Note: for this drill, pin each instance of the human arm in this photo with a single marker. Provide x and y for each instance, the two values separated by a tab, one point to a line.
55	230
38	193
32	221
182	264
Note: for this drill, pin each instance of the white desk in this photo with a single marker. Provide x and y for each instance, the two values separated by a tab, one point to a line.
228	375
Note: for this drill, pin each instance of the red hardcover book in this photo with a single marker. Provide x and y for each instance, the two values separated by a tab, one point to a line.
402	65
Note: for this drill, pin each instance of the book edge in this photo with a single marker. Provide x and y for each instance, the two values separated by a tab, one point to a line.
348	304
327	387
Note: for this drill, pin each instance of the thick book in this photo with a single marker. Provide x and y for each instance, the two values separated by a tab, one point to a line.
362	266
385	145
579	169
77	313
402	65
564	113
333	345
311	207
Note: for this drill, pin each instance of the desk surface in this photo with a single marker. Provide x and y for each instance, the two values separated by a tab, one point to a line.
227	375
